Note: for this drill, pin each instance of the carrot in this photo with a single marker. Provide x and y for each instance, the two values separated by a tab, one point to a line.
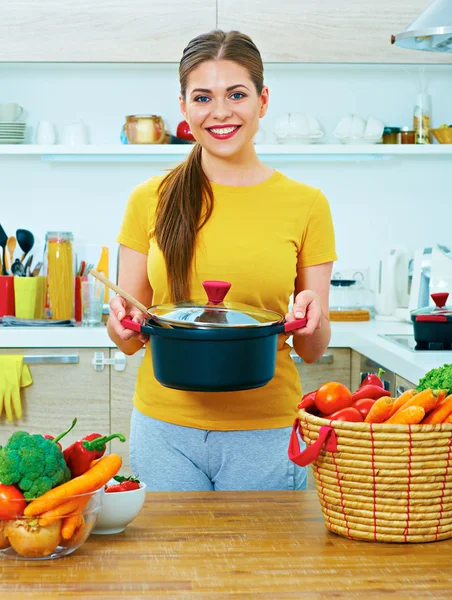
448	419
440	412
400	401
427	399
380	410
90	481
69	525
407	416
63	510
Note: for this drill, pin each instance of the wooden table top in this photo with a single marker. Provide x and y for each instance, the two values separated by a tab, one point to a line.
241	545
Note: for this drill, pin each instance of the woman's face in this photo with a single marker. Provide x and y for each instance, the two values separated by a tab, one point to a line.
222	107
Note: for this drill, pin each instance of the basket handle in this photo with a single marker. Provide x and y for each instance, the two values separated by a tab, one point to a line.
327	437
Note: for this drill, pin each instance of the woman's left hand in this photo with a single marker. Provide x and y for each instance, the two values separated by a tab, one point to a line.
307	304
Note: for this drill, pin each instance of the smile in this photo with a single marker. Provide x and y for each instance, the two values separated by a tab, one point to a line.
223	132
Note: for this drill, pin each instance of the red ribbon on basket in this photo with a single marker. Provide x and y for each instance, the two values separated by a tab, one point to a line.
327	438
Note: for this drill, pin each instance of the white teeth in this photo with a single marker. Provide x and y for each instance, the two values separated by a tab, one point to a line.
223	130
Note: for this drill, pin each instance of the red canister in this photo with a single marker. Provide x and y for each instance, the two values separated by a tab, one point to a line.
7	304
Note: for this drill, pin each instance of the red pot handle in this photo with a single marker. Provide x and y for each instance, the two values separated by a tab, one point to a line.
293	325
327	437
127	323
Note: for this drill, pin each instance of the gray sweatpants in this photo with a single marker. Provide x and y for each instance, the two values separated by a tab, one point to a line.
171	457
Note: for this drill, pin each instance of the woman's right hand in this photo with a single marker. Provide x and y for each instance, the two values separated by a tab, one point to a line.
120	308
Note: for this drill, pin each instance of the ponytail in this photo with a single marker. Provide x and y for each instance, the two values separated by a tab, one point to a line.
184	206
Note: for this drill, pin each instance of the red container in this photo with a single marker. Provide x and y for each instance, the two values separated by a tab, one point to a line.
7	304
78	297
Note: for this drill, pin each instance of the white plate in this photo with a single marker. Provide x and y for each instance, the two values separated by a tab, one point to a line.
360	141
11	135
311	139
12	123
11	141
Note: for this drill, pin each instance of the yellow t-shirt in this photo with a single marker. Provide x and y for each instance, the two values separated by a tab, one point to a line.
257	238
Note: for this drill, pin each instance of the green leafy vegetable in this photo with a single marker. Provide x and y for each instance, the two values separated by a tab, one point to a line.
437	379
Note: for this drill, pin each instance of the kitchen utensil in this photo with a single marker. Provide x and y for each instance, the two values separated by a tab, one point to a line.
433	325
119	509
75	134
11	244
144	129
214	346
26	241
343	294
92	294
10	112
45	133
36	269
81	268
3	241
419	276
18	269
27	265
102	267
391	290
133	301
59	261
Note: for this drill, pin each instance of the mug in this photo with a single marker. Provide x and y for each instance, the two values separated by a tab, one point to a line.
45	133
10	112
74	134
30	295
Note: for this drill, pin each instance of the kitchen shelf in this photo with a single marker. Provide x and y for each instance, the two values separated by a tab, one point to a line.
169	153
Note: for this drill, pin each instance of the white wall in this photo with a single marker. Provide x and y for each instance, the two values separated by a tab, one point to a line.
375	203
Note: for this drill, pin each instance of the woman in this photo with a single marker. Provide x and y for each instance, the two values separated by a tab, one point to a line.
223	214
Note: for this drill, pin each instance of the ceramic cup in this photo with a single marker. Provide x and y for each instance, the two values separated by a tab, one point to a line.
10	112
74	134
45	133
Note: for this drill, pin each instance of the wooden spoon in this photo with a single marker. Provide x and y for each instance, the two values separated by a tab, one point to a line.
11	244
133	301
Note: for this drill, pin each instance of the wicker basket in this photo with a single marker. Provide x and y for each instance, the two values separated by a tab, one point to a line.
383	483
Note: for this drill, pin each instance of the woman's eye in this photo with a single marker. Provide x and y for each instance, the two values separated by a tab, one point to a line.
238	95
201	99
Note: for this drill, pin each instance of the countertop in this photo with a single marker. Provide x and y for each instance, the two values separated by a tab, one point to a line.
362	337
247	545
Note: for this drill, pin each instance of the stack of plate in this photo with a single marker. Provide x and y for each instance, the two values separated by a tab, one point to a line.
12	132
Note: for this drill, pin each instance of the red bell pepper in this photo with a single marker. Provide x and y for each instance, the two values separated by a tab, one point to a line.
346	414
56	440
308	400
370	391
373	379
80	454
364	405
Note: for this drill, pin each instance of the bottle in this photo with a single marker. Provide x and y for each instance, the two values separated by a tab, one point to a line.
421	119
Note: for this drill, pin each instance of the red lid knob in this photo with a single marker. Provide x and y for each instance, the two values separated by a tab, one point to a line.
440	299
216	290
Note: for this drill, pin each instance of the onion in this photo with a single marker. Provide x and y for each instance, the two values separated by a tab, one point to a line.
31	540
3	539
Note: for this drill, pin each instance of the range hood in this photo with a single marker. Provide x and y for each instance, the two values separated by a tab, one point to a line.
432	31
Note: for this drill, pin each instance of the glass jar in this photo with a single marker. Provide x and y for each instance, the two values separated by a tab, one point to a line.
407	136
343	294
59	265
391	135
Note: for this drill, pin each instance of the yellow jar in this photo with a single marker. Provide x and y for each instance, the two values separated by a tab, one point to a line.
59	265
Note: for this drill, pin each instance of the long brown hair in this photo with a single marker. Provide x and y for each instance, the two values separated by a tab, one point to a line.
186	199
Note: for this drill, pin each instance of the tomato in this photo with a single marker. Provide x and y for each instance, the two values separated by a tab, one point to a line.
12	502
332	396
347	414
364	405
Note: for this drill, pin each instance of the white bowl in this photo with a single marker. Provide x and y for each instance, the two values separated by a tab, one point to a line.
119	509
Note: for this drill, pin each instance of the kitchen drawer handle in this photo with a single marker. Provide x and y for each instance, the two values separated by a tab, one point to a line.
326	359
51	359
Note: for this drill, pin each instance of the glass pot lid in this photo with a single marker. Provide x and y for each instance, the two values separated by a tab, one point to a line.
213	312
439	313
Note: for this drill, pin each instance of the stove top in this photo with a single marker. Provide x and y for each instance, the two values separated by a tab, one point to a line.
409	343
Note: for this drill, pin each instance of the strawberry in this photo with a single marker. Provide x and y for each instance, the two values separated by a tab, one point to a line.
126	484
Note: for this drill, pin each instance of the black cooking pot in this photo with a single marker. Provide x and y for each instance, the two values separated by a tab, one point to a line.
433	325
213	346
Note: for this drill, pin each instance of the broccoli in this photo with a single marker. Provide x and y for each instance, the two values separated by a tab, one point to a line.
33	463
437	379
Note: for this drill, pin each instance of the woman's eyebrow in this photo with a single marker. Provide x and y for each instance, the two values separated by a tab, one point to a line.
206	91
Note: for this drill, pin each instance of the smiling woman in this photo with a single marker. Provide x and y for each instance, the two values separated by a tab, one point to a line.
223	214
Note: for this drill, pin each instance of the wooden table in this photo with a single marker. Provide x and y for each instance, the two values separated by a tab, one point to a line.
241	545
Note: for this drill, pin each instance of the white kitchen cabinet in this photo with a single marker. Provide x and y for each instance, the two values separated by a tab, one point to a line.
122	390
61	391
327	31
103	31
333	366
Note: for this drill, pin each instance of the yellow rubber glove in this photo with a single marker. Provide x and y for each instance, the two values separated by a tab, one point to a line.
12	374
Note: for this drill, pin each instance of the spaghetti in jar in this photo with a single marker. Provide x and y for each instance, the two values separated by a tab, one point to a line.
60	270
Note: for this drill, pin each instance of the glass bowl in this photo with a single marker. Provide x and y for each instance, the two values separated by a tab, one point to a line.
24	538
